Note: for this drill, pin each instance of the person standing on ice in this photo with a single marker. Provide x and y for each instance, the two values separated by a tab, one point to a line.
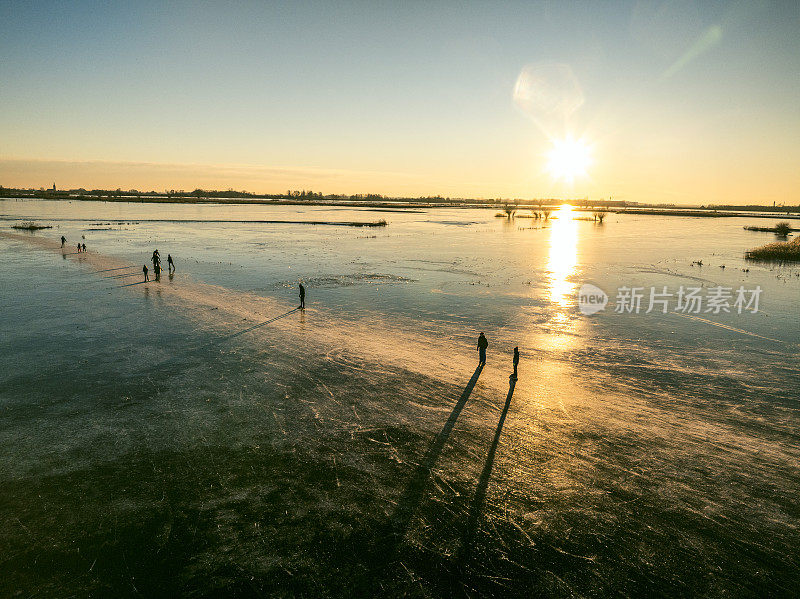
516	361
302	297
170	263
482	345
63	241
144	270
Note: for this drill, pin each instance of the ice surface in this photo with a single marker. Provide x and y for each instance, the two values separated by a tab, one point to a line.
201	436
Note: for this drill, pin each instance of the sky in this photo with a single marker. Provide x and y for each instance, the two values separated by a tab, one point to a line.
673	102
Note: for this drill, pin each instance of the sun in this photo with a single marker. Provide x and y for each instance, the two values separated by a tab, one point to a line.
568	159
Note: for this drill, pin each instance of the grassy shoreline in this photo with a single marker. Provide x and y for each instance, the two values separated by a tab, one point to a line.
781	251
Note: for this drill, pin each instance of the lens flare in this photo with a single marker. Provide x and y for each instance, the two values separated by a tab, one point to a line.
549	94
568	159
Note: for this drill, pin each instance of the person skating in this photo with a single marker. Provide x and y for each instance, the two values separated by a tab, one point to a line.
144	270
516	360
170	263
63	241
302	297
482	345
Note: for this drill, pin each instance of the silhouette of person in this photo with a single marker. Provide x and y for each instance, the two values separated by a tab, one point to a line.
516	360
170	263
156	258
157	270
84	247
63	241
144	270
302	297
482	345
79	247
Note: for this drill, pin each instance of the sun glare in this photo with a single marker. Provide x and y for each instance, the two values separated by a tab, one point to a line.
568	159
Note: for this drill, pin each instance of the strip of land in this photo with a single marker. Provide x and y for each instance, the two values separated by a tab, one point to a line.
401	204
333	223
768	229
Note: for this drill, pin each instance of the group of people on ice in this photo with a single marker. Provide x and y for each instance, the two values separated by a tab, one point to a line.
81	246
156	259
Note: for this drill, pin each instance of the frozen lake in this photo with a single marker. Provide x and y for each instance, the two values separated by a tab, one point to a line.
199	436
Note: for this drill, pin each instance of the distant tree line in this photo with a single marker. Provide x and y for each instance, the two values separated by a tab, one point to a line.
211	195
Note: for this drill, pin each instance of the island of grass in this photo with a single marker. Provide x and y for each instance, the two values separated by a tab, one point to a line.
779	229
29	225
781	251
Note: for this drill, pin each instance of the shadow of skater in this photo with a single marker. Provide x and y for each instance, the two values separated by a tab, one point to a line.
176	357
248	329
483	482
412	497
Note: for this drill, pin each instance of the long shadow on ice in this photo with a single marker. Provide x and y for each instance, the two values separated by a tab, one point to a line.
483	482
250	328
116	268
408	503
177	357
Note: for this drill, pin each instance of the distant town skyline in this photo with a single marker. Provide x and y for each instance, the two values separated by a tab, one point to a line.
669	102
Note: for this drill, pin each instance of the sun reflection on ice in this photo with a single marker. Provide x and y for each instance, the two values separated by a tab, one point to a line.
562	259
